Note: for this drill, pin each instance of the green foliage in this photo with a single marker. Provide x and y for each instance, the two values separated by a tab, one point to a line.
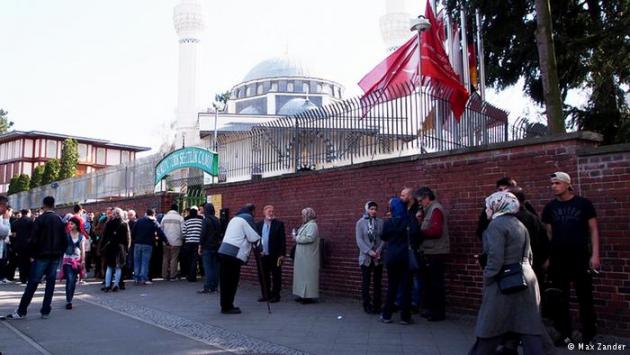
592	45
220	100
36	178
51	171
5	124
69	159
19	183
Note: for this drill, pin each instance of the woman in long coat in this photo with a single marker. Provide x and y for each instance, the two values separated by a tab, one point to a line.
114	249
306	262
506	241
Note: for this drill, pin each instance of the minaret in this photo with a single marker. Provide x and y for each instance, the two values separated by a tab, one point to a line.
395	24
189	23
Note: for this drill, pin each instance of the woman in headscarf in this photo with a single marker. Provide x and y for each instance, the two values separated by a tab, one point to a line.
114	248
306	262
399	233
368	235
506	241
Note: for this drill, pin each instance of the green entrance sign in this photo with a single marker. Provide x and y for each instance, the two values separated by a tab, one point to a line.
189	157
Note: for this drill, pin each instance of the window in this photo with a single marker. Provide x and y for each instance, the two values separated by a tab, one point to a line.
83	152
259	89
248	91
274	86
27	169
328	89
113	156
318	89
125	157
28	148
100	156
306	88
51	149
289	87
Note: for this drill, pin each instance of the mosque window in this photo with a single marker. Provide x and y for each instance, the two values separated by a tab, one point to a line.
318	89
338	93
274	86
248	91
328	90
306	88
289	87
259	89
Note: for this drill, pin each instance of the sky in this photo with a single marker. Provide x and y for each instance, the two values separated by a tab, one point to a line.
108	69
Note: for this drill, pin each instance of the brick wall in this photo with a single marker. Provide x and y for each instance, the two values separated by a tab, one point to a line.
461	180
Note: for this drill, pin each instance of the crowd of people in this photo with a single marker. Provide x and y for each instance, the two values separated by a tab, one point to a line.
525	258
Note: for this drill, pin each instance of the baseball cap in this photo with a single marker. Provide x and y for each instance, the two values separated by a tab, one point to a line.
194	208
561	176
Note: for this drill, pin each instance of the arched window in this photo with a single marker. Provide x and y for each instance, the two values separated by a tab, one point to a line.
259	89
290	86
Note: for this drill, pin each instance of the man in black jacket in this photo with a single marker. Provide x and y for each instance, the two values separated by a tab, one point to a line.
23	228
209	242
47	244
274	248
144	232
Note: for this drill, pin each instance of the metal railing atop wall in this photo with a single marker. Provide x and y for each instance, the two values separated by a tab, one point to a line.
344	133
358	130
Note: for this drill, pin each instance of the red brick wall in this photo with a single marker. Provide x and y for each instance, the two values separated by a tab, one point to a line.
461	181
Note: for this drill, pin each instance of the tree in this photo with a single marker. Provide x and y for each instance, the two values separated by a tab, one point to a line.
36	178
220	100
592	47
5	124
69	159
19	183
51	171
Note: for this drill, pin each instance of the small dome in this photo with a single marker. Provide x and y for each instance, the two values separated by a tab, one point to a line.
296	106
250	110
277	67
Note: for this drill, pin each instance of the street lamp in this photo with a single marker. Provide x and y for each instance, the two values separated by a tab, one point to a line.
218	106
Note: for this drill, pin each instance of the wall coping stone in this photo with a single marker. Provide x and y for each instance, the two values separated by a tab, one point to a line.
605	149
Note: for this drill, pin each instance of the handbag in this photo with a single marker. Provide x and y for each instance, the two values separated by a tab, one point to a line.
412	257
511	278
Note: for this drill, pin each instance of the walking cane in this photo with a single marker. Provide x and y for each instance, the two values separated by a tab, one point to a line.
261	276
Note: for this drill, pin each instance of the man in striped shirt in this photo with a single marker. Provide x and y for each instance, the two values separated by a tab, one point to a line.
192	232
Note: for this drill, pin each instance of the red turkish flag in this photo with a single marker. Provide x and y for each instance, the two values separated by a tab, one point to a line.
385	81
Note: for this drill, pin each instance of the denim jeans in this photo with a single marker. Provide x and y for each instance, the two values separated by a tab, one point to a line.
39	268
71	281
108	276
141	259
210	260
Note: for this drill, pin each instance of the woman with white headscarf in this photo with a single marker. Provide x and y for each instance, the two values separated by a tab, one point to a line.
506	241
306	262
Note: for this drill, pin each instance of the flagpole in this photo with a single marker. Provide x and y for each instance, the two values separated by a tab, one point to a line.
482	67
465	50
420	25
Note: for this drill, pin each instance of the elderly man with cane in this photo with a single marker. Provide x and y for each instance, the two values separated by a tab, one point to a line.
234	252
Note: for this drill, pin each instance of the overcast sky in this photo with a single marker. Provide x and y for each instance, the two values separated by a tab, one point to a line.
108	69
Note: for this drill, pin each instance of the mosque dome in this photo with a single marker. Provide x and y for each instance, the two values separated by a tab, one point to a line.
296	106
278	67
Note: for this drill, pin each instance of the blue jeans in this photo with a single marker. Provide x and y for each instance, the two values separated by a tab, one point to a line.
39	268
71	281
210	260
108	276
141	259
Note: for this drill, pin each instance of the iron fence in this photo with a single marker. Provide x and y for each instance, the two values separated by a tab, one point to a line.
360	129
347	132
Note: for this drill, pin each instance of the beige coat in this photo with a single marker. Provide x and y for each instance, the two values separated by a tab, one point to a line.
306	263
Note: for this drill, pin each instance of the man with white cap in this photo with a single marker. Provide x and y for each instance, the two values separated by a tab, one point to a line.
571	223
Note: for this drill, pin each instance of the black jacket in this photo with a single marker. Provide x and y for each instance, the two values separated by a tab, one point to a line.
277	238
211	235
145	230
22	228
399	232
48	237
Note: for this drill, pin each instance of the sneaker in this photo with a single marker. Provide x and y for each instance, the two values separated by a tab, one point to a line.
14	315
148	283
115	289
172	280
45	316
68	305
385	320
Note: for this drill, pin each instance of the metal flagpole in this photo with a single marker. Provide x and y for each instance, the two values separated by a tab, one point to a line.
482	67
420	25
465	50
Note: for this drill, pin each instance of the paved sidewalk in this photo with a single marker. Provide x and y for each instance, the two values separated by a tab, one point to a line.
171	318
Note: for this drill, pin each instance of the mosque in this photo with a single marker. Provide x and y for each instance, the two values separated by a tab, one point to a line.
274	88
